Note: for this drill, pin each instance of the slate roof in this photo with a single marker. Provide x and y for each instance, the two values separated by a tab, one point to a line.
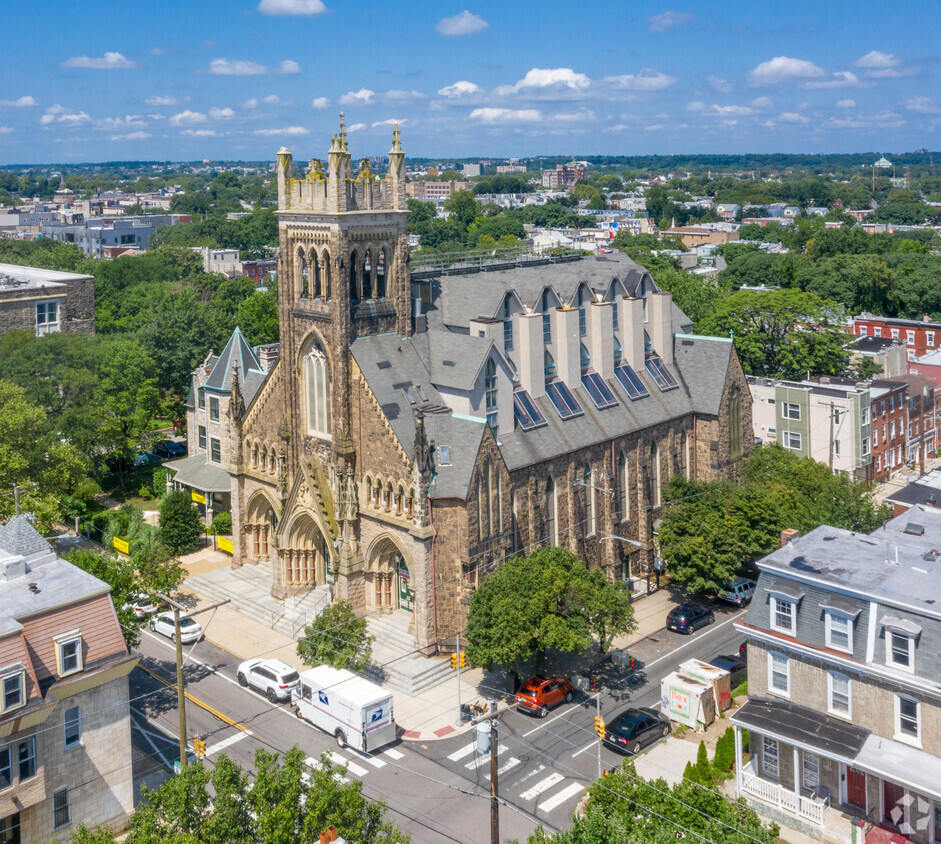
236	351
18	536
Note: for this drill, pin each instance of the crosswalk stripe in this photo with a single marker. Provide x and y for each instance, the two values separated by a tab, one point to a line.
460	754
483	759
510	763
228	742
541	786
393	753
352	767
368	757
315	763
559	798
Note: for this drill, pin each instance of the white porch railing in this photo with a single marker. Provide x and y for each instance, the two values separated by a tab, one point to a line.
809	808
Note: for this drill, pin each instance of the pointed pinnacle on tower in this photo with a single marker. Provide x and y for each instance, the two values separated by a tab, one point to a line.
343	132
396	143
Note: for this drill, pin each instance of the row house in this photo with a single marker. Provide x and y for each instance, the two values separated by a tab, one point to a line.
844	679
65	727
922	336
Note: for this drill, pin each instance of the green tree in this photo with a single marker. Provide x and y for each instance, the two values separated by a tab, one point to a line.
338	638
257	316
546	600
464	209
180	528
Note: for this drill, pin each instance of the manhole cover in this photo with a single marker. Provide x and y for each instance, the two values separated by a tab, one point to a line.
523	758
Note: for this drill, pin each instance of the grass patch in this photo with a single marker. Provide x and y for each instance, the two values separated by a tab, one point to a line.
741	690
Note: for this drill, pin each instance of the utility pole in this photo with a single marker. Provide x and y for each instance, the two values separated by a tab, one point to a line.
180	691
457	650
494	803
831	436
16	498
601	734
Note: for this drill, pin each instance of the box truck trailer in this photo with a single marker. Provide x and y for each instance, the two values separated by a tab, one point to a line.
353	710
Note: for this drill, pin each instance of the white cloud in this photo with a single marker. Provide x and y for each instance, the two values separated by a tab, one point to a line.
361	97
506	115
846	103
460	89
656	127
877	60
291	7
274	99
243	67
51	113
783	69
466	23
131	136
356	127
557	77
730	110
644	81
791	117
575	117
390	122
696	105
288	130
109	61
60	114
21	102
221	113
320	102
668	19
618	127
719	84
840	79
157	51
923	105
396	96
248	105
882	120
161	101
289	66
199	133
73	117
761	102
187	117
5	130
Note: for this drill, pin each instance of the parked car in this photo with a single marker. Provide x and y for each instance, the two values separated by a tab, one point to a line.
190	631
539	694
634	729
740	591
735	665
170	448
146	458
688	617
272	677
142	604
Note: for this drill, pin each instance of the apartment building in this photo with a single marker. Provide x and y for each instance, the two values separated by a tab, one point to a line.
844	679
434	191
826	419
108	237
922	336
65	731
45	301
565	175
889	426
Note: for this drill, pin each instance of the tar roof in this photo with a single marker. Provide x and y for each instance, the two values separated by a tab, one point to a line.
865	564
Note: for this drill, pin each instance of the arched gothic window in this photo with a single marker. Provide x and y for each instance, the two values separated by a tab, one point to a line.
367	274
550	505
588	483
381	269
317	372
735	425
624	502
305	275
354	280
490	394
315	270
582	318
326	276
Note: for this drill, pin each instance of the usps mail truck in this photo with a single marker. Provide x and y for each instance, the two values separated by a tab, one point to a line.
353	710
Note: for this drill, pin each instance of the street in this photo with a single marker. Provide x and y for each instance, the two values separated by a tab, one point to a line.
437	791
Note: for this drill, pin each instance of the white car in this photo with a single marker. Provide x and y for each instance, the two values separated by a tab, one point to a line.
740	591
190	631
142	604
272	677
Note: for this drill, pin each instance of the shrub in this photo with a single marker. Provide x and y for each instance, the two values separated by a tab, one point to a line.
703	768
338	638
724	760
159	482
222	524
180	528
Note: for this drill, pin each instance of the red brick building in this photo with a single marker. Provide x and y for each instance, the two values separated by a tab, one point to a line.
259	271
922	336
928	366
889	426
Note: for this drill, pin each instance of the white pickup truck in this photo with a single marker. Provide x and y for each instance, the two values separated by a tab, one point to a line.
354	711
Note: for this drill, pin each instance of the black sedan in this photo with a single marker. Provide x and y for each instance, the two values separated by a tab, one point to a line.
688	617
170	448
734	665
634	729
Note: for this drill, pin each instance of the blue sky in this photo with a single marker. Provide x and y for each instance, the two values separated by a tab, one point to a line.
222	79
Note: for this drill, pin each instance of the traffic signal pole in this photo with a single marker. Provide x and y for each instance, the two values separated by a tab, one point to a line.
494	802
599	720
457	650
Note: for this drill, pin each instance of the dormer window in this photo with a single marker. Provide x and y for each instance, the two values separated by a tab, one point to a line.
900	635
614	315
785	598
490	394
582	319
507	326
69	652
13	681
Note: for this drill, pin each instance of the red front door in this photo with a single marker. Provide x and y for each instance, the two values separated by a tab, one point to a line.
856	788
892	809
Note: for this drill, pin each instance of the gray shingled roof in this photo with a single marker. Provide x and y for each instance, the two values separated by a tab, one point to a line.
236	351
199	473
18	536
703	363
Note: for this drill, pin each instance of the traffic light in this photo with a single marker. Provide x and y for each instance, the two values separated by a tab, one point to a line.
199	747
599	726
463	660
453	660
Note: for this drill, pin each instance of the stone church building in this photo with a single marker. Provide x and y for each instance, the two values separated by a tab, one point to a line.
416	428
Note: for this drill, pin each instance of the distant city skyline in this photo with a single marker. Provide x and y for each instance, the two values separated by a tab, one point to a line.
236	79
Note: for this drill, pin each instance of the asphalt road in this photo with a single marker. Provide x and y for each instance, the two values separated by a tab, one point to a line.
436	791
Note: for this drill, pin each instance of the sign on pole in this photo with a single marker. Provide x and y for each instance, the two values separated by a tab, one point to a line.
121	545
198	497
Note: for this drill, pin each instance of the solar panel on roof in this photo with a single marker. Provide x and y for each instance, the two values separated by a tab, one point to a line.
563	400
599	391
658	370
527	415
632	384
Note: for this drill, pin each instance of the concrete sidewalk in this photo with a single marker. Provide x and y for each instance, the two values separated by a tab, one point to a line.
431	714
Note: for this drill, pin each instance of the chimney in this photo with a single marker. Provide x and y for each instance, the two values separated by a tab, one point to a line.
531	355
568	342
788	535
12	567
267	355
632	332
601	337
661	325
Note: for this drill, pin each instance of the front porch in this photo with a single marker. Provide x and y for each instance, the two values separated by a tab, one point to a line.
812	807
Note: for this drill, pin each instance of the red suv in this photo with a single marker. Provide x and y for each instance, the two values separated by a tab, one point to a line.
538	694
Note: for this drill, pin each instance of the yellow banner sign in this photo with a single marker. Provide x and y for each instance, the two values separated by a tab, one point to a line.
223	543
198	497
121	545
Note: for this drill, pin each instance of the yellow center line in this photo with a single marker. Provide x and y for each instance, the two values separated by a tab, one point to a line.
192	699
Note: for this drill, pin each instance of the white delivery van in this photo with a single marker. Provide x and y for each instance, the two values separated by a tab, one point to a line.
353	710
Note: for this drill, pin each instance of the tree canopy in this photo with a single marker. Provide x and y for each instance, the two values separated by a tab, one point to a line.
338	638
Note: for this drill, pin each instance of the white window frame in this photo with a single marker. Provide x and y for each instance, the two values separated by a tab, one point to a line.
899	734
215	441
788	407
848	714
77	721
929	338
815	770
910	336
48	326
864	416
788	442
67	808
201	437
785	672
877	331
62	641
836	615
773	770
8	674
775	601
889	654
866	447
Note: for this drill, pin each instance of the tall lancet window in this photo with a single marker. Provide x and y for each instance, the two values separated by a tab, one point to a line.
317	373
